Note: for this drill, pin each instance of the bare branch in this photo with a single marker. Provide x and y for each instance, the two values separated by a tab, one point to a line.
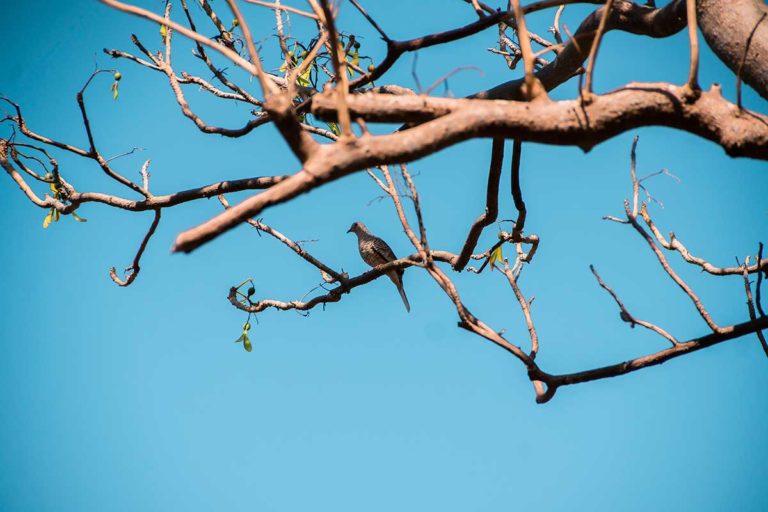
674	244
693	73
626	316
525	306
559	123
488	217
751	306
587	91
133	270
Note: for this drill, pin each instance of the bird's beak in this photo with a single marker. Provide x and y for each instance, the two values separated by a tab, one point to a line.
349	230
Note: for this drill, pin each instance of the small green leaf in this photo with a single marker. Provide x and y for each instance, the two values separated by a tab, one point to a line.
303	79
164	33
78	218
115	92
355	59
247	343
56	215
334	128
47	219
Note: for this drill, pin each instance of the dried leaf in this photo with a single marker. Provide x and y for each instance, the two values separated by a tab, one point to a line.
47	219
496	255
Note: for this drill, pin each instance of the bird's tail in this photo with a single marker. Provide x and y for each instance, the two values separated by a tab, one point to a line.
402	295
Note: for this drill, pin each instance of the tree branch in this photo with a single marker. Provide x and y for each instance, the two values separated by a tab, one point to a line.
557	123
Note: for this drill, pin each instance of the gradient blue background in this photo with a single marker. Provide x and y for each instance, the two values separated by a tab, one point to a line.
138	399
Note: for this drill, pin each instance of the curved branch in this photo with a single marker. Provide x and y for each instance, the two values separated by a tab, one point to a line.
675	245
727	333
488	217
557	123
135	268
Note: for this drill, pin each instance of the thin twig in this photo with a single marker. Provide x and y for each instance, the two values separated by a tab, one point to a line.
340	70
279	7
693	72
751	307
587	91
532	88
133	270
744	59
626	316
370	20
760	279
525	306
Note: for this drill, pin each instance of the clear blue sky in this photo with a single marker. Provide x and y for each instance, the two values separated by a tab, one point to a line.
138	399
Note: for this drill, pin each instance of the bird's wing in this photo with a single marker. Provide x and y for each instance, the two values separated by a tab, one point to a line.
383	250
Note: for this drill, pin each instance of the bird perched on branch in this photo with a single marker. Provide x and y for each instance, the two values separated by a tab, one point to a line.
375	252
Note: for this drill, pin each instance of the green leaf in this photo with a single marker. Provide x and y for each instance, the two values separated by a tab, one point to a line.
164	33
303	79
496	255
115	92
334	128
56	215
47	219
247	343
355	59
78	218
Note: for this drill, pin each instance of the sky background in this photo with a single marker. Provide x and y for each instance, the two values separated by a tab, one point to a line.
138	399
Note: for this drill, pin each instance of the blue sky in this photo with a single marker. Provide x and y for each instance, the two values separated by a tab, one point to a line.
138	399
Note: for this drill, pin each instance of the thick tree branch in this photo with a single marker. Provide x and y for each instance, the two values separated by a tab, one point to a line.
727	26
557	123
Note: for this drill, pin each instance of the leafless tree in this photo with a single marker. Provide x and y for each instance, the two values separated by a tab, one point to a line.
323	74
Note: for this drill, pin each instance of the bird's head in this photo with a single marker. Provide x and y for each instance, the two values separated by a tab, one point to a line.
356	227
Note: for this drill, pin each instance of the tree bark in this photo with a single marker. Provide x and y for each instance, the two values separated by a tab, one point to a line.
727	26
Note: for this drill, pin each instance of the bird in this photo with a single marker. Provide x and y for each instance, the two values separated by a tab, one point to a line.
375	252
